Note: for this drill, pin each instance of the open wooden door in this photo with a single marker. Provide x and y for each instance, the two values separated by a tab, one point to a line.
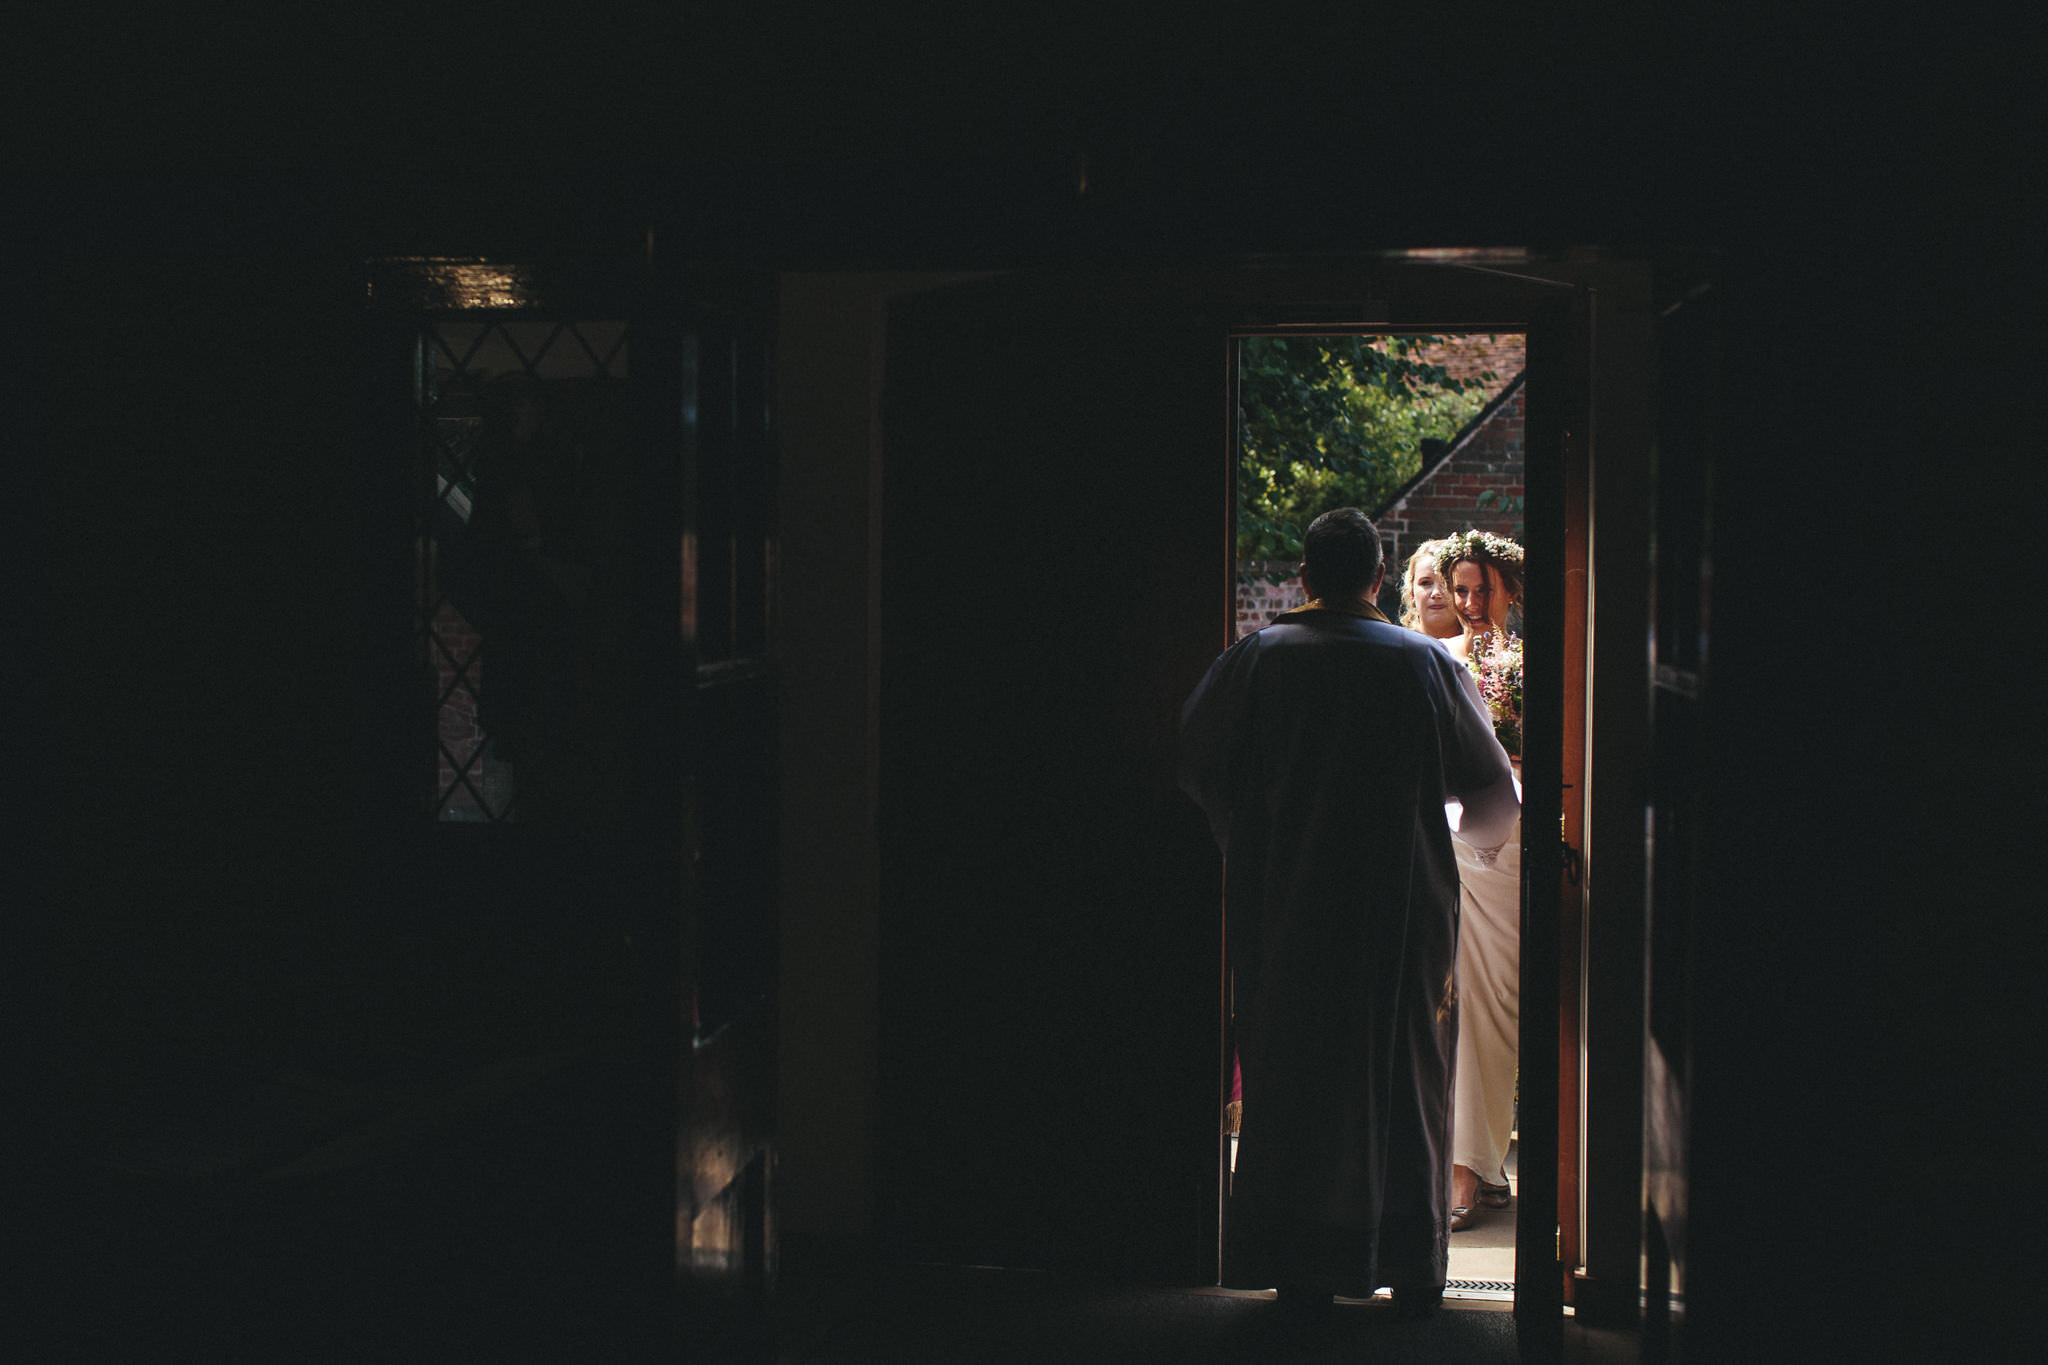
1053	568
1553	720
1687	430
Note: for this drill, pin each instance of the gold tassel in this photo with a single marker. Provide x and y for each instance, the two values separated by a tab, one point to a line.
1233	1115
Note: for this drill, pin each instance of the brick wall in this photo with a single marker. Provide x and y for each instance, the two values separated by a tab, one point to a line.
1447	499
1259	601
1477	353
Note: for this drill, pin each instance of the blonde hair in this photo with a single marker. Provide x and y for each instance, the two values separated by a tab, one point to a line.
1410	617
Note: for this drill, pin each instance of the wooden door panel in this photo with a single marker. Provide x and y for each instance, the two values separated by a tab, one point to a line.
1050	902
1559	345
1687	339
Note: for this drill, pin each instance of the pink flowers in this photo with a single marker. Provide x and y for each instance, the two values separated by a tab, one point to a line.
1496	663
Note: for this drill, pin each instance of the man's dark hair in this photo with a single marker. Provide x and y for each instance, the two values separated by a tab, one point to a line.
1341	552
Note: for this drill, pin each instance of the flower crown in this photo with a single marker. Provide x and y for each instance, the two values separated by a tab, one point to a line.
1477	545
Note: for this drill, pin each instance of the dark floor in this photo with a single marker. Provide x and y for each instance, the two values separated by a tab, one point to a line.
471	1211
465	1214
933	1314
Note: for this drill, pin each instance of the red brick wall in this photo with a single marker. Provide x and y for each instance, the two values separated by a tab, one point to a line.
1259	601
1448	500
1470	356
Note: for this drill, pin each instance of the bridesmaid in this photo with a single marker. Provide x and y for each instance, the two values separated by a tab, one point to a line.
1426	596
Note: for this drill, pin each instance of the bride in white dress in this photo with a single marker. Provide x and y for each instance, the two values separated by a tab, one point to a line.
1462	590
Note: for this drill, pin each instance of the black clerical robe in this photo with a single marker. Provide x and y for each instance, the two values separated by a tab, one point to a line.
1324	749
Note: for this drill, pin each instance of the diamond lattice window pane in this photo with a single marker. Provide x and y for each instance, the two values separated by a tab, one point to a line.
496	414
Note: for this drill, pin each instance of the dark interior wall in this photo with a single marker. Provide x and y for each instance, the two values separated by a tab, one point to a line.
204	604
1853	1000
228	580
250	957
197	726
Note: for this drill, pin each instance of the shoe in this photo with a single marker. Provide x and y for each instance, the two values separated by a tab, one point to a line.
1417	1301
1494	1196
1461	1218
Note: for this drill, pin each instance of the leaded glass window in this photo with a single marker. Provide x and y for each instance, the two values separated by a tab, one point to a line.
520	424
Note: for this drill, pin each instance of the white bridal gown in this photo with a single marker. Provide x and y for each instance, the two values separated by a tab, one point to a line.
1489	1007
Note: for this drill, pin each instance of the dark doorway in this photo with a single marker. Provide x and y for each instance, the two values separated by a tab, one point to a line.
1055	575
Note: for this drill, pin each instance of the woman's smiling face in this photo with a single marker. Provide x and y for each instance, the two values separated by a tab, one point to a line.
1432	597
1476	593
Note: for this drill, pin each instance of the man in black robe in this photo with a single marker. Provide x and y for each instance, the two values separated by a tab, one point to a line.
1324	749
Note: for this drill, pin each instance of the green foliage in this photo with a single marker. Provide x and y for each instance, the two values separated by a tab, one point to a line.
1335	421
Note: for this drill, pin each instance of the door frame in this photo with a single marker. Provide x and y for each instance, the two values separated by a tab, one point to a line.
1603	681
1588	317
1554	316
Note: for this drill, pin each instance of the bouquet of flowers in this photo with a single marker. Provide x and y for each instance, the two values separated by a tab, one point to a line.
1496	662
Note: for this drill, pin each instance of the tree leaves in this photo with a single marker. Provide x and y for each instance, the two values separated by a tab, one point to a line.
1335	421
